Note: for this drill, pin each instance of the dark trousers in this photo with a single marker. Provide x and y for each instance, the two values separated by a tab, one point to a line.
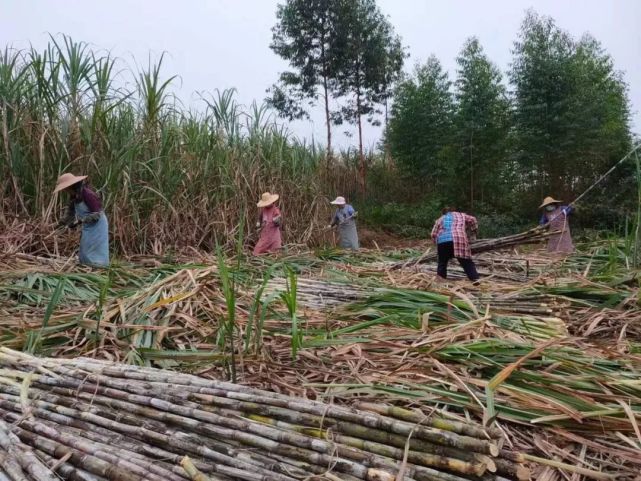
445	253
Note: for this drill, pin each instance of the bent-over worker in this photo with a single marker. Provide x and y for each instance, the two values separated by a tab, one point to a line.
556	216
85	208
269	223
450	236
345	219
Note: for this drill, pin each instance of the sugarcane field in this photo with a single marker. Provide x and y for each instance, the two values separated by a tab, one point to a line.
327	248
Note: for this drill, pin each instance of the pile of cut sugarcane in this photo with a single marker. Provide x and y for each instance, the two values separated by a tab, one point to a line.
532	236
90	420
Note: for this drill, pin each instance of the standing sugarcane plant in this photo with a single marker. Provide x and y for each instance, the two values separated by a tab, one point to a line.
257	314
102	298
33	345
637	232
289	298
226	332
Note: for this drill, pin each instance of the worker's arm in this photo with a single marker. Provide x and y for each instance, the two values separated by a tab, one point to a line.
335	220
436	230
91	218
568	209
93	203
277	219
471	223
69	219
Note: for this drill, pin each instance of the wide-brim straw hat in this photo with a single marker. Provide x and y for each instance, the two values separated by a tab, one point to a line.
67	180
267	199
548	201
338	201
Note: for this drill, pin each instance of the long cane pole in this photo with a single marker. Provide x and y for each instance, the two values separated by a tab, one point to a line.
612	169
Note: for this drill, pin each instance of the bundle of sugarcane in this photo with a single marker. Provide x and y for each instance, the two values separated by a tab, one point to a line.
532	236
92	420
317	293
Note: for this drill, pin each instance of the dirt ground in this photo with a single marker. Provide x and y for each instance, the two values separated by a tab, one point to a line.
378	239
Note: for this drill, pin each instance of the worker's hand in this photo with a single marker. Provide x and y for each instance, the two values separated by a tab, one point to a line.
90	219
276	220
329	226
258	225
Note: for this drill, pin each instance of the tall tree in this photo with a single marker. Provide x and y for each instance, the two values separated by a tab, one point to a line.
421	125
371	61
307	35
482	125
571	116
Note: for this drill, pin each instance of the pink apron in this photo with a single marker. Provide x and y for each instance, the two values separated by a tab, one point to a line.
559	243
270	240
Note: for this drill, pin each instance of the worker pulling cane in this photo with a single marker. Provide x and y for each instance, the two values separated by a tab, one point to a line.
345	219
555	215
85	209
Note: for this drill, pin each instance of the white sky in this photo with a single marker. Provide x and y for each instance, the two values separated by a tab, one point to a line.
225	43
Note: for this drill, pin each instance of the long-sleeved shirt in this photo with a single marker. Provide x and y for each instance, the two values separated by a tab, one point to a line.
91	200
452	227
561	210
561	240
343	214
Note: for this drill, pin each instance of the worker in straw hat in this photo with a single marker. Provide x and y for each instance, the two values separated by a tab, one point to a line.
269	224
450	234
556	216
345	219
85	208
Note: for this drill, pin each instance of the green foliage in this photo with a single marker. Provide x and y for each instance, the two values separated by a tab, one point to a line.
571	109
482	125
336	49
421	126
411	220
308	35
34	341
371	62
169	177
564	123
289	297
228	325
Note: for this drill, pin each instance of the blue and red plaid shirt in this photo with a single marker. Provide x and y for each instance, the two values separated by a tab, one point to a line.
452	227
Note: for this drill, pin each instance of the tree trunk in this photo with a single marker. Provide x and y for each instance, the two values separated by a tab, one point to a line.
471	173
388	154
326	98
327	120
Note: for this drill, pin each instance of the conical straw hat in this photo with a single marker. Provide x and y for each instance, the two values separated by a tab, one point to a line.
338	201
67	180
548	201
267	199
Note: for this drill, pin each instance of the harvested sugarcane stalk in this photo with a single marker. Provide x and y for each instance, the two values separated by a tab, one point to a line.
113	422
532	236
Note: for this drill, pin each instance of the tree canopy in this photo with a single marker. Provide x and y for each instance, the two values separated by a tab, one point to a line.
558	125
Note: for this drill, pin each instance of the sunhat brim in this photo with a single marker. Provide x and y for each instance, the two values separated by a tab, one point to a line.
264	203
69	182
549	202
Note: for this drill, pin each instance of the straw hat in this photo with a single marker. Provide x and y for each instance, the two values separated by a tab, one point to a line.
338	201
67	180
548	201
267	199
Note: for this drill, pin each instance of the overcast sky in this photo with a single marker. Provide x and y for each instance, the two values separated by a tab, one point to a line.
225	43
